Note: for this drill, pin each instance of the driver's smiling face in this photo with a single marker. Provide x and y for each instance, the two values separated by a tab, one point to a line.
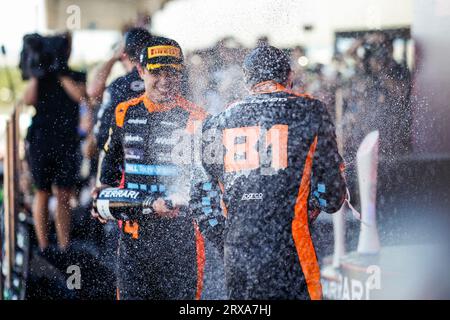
161	85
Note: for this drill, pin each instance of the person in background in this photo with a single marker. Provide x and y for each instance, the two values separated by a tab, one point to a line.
122	89
379	99
53	146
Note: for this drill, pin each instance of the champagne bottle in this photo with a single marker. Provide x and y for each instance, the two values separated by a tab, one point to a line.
124	204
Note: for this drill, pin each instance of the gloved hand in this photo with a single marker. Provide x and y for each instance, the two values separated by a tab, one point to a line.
94	194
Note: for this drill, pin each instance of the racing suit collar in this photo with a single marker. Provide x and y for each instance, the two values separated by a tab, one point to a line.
155	107
273	86
267	87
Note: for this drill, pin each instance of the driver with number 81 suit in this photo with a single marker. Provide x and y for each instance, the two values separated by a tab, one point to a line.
276	157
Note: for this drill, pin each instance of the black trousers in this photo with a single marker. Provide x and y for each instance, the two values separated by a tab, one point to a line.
161	264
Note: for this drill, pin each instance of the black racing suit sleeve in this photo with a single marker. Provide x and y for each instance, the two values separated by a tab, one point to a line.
328	187
111	166
206	198
105	116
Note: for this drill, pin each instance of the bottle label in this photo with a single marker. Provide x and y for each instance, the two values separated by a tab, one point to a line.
103	209
118	193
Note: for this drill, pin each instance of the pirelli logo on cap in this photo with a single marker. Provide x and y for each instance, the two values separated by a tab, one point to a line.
163	51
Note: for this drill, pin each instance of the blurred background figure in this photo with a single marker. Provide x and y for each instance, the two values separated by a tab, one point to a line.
378	99
56	93
121	89
214	74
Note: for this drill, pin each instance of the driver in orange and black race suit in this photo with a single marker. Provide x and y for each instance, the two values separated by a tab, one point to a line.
275	155
161	255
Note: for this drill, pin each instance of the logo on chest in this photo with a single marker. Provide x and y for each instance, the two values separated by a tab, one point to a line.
169	124
131	138
133	154
173	140
137	121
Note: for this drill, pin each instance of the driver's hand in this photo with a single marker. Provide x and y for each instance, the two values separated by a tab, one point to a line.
94	194
160	209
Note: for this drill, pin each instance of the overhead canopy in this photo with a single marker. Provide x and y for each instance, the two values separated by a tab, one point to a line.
99	14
